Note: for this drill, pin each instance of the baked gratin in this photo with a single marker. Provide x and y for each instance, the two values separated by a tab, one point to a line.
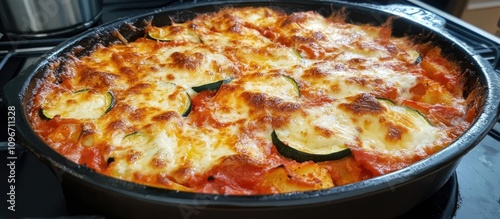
253	101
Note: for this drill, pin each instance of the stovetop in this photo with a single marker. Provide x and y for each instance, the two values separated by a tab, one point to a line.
473	191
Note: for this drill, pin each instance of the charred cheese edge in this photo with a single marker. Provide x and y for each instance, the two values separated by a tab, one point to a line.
195	104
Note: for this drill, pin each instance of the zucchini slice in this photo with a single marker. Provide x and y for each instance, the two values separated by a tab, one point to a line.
412	113
186	108
135	138
319	133
385	101
211	86
414	57
301	153
416	114
277	85
173	33
294	83
82	104
299	56
175	99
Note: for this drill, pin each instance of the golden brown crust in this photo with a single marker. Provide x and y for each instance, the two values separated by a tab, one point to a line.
340	69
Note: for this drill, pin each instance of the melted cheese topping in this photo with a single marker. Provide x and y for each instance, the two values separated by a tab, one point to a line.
318	79
319	130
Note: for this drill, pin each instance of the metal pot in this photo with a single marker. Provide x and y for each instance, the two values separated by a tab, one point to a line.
386	196
34	18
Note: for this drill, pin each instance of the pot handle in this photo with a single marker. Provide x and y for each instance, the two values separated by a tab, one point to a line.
415	13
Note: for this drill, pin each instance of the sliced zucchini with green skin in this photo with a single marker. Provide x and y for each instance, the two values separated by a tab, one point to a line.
177	99
299	56
407	110
184	103
277	85
387	101
316	133
211	86
302	153
414	57
294	83
81	104
167	34
416	114
188	105
131	134
135	138
43	115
